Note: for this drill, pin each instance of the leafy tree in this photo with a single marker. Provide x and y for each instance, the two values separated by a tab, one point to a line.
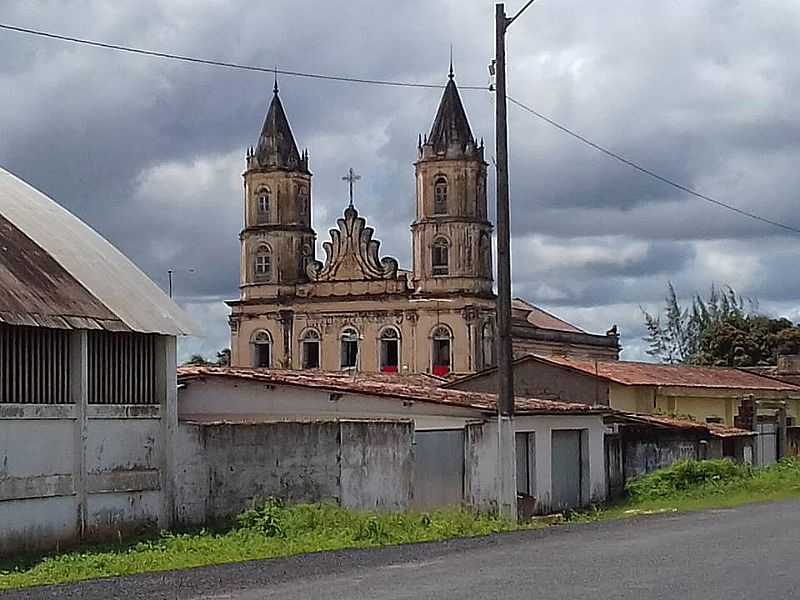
721	330
674	335
196	360
224	358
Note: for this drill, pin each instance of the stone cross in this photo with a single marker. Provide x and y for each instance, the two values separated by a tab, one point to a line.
351	178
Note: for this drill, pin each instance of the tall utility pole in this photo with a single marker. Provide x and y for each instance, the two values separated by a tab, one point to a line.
507	485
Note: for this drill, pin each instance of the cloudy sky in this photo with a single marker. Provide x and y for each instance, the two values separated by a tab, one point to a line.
150	152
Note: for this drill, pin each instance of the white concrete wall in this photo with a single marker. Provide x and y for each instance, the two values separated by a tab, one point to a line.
481	458
76	472
225	468
38	504
219	399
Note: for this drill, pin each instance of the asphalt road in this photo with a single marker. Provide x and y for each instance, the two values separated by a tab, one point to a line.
746	553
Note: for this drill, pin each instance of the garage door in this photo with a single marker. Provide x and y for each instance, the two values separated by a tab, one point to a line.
438	469
566	468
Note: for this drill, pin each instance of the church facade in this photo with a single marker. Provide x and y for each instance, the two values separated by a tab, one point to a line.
358	310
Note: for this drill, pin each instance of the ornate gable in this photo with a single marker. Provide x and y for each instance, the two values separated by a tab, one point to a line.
352	254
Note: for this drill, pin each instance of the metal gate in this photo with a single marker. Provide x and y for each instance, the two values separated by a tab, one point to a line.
438	468
526	463
615	476
767	444
566	470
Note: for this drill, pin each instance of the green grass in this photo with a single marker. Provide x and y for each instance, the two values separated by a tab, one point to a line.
692	486
271	531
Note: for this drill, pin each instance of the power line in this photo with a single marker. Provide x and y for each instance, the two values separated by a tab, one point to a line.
648	172
392	83
228	65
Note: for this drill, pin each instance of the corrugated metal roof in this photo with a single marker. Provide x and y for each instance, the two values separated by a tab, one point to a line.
36	290
638	373
64	251
380	385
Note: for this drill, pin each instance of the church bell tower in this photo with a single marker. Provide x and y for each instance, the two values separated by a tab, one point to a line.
451	234
277	240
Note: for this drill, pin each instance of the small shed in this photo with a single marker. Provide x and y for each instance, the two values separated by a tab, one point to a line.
87	380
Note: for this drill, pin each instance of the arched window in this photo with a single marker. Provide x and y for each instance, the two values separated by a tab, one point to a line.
302	201
390	350
306	258
440	251
262	204
440	196
349	356
262	264
309	349
487	342
440	351
262	349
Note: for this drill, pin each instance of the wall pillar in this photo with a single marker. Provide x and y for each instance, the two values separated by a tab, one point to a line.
79	396
167	394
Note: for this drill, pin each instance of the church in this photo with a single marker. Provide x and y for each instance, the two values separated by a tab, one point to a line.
358	310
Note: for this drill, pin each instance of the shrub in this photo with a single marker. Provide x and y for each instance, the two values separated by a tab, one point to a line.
687	476
265	519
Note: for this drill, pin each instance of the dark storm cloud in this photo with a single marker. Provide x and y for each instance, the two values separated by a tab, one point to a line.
150	152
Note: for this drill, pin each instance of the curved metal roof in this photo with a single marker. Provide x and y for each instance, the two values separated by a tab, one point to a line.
58	272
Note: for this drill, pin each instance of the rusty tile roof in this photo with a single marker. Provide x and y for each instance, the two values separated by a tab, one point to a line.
662	421
382	385
639	373
56	271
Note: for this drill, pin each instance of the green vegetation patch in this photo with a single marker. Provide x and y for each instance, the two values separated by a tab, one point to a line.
699	485
270	530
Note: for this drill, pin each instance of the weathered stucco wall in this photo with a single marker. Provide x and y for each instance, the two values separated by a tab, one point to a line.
226	467
60	482
645	455
38	506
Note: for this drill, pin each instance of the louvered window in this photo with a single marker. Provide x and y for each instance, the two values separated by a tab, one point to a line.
34	365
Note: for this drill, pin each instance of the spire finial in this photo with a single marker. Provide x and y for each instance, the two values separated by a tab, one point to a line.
451	74
275	87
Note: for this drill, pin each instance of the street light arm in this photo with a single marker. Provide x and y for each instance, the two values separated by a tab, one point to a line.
522	10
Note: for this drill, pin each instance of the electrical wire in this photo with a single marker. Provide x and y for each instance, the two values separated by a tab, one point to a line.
406	84
647	171
228	65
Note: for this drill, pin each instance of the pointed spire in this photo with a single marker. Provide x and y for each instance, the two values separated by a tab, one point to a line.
451	126
451	75
275	87
276	146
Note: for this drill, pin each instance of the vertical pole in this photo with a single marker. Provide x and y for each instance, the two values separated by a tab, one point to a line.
169	274
507	499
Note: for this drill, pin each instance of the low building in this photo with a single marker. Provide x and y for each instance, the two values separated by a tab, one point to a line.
87	381
560	457
705	394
